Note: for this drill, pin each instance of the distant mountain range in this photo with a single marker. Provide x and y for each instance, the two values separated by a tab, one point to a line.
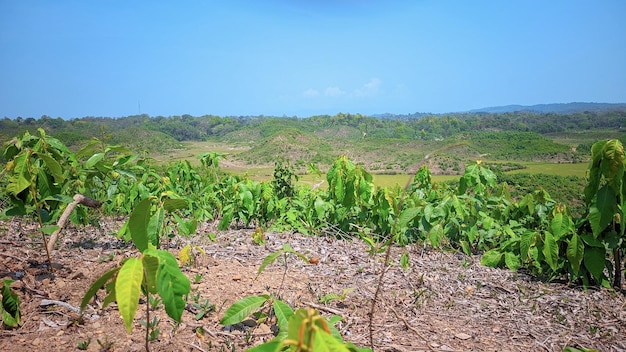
564	108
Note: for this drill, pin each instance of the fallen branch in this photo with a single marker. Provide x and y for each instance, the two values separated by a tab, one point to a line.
324	308
408	326
49	302
78	199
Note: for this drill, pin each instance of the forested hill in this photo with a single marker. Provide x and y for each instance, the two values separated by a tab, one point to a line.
567	108
424	126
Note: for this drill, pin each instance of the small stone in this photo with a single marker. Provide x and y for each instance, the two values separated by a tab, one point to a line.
463	336
264	328
496	330
36	341
61	332
237	277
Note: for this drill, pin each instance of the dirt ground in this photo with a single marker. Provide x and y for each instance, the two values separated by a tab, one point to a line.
445	301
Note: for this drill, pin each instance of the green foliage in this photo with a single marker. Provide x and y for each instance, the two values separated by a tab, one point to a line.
10	308
153	272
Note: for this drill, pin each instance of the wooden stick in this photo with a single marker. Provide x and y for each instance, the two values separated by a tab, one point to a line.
78	199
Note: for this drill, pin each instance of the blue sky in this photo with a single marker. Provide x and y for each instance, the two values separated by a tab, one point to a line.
305	57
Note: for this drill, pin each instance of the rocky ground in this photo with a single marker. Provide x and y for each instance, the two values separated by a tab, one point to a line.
445	301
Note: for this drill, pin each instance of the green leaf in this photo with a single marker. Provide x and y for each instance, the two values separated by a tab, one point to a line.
269	259
491	258
155	226
320	207
575	251
601	213
594	260
404	261
151	266
241	309
93	289
175	204
53	166
21	175
128	289
436	235
271	346
138	224
10	305
406	216
560	225
283	312
551	251
172	285
511	260
49	229
96	158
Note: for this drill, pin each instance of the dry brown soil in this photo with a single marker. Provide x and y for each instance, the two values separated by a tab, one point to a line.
444	302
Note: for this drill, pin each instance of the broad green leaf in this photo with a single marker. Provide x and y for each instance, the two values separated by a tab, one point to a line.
612	158
49	229
98	284
242	309
21	175
591	241
151	266
128	290
283	312
155	226
172	285
138	224
340	191
320	207
436	235
551	251
594	260
575	251
511	260
93	160
174	204
560	225
406	216
53	166
491	258
601	213
10	305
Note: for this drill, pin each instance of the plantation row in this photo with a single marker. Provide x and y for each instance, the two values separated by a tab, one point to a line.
477	216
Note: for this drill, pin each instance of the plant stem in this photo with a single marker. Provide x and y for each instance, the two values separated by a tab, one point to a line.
147	319
33	194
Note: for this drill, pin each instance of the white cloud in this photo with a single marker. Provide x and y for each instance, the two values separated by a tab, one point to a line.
333	92
311	92
368	89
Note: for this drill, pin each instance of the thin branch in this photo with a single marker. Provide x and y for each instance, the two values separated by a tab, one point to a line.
408	326
78	199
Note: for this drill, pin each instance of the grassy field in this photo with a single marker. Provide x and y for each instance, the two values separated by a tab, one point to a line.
579	169
191	151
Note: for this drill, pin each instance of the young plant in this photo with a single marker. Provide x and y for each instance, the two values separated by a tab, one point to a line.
83	345
336	296
153	272
285	252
